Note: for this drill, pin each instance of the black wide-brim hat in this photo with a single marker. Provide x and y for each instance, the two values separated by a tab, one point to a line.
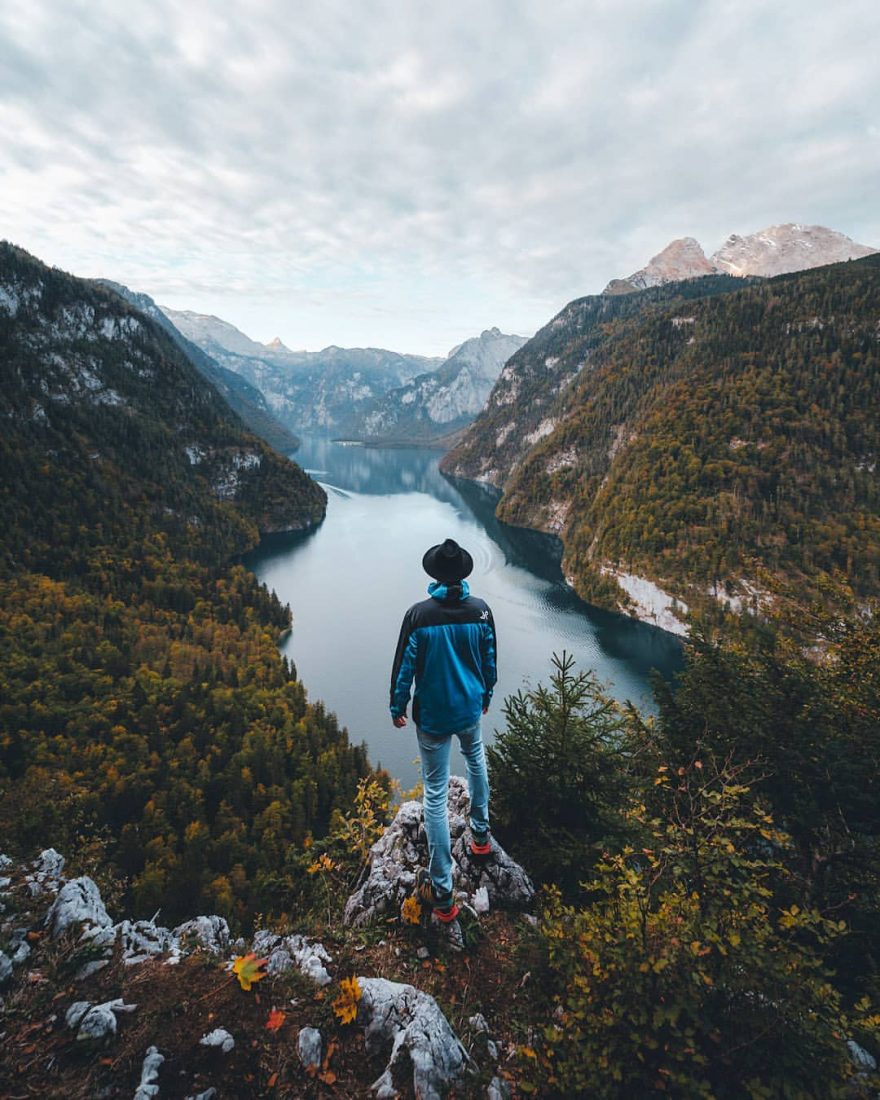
447	562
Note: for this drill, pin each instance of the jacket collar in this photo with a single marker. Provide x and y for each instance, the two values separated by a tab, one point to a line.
440	591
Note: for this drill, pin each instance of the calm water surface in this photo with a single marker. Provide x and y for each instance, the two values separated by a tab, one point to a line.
350	581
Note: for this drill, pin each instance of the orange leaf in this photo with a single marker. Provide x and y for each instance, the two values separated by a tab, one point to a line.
329	1077
276	1019
270	1084
249	969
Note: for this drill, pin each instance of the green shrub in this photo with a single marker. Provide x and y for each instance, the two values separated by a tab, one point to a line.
682	978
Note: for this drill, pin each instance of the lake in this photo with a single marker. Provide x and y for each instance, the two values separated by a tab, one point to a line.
350	581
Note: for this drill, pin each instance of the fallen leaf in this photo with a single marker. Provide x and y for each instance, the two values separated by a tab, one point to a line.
276	1019
249	969
270	1084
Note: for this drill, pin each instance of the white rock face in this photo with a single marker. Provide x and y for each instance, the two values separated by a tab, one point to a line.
402	850
652	604
410	1023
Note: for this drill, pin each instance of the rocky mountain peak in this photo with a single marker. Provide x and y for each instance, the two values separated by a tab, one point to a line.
683	258
277	345
780	249
776	250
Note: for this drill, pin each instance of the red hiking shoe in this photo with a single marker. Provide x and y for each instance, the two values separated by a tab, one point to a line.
480	845
442	905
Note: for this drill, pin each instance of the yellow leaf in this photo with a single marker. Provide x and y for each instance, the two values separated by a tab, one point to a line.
411	910
345	1005
249	969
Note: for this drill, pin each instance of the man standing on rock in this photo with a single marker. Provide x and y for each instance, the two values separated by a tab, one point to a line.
447	644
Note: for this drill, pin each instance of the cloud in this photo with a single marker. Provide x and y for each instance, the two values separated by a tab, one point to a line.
408	174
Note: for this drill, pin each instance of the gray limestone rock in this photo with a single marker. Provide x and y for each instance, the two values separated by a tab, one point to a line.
399	853
5	968
285	952
210	933
498	1090
862	1059
78	904
46	874
219	1038
208	1094
148	1087
95	1021
410	1022
141	939
309	1046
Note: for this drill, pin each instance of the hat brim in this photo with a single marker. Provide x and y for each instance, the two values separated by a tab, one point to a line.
447	570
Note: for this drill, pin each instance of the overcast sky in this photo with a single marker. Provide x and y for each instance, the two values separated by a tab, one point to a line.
406	174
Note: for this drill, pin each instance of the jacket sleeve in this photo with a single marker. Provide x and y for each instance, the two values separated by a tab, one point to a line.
489	658
404	668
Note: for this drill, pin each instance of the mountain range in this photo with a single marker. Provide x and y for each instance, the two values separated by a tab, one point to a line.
777	250
317	391
369	394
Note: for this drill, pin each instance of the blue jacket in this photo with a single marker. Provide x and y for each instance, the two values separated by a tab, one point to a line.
447	644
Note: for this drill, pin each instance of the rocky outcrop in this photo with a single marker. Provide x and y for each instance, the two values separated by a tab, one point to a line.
402	850
410	1023
286	952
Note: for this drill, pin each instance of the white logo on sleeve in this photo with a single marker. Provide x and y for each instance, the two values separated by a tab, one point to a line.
484	614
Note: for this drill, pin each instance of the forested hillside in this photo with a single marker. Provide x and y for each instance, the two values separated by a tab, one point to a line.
716	445
142	697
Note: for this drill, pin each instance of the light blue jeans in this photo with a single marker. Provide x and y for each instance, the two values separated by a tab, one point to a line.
435	776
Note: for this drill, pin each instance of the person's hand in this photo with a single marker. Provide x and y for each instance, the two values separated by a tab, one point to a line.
485	710
399	721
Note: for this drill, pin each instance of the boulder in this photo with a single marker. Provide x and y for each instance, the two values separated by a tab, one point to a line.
5	968
410	1023
402	849
95	1021
309	1046
78	904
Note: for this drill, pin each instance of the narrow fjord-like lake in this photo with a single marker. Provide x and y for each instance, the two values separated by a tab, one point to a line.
350	581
